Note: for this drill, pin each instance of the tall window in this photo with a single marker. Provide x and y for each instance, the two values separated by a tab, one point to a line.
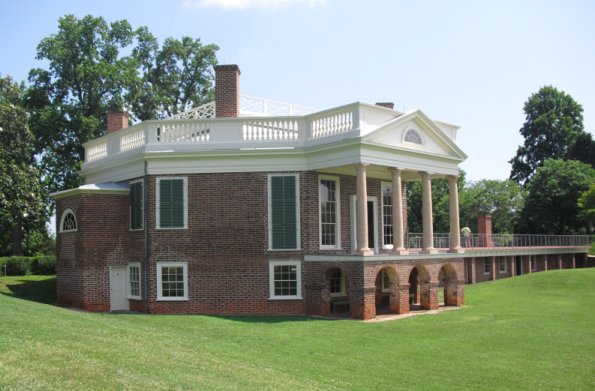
134	280
329	212
172	281
502	265
172	204
487	265
337	283
136	205
68	221
387	215
285	280
284	212
385	281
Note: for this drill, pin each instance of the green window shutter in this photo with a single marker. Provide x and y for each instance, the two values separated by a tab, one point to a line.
283	209
171	203
136	205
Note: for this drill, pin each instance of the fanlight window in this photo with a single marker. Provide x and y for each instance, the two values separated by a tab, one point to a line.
413	137
68	221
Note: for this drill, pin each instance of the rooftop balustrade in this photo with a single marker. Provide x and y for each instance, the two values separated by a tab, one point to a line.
231	133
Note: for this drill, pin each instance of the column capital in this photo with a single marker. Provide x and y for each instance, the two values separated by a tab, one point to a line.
395	170
361	166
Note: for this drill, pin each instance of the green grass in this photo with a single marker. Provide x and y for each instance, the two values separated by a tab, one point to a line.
530	332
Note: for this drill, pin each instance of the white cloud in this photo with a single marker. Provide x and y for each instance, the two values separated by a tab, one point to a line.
245	4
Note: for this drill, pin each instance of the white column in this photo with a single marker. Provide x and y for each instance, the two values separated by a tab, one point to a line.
426	211
361	207
453	202
398	224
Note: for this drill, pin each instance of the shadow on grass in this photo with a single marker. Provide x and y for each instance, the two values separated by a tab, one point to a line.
268	319
42	291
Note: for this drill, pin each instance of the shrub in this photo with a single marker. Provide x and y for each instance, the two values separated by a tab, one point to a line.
21	266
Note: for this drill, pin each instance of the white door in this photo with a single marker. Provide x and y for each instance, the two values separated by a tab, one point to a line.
118	299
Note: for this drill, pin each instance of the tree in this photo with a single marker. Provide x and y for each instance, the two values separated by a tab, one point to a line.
21	194
440	204
88	75
586	204
551	205
503	200
554	122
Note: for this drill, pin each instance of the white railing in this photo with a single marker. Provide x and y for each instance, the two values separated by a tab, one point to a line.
184	132
201	112
241	132
132	140
442	240
266	107
332	123
96	151
263	130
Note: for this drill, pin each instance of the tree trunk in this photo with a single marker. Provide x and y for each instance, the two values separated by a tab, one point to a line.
17	237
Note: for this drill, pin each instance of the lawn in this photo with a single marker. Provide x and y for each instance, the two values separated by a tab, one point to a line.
530	332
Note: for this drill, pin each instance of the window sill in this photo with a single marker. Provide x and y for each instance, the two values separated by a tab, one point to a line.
284	249
172	299
286	298
133	297
329	248
169	229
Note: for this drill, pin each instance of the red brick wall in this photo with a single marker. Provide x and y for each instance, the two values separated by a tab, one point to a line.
116	121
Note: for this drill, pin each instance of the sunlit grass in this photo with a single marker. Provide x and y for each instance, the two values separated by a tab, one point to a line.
529	332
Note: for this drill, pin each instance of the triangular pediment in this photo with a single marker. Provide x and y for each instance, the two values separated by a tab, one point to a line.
416	132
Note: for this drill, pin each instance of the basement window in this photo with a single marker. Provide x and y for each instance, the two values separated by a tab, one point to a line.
285	280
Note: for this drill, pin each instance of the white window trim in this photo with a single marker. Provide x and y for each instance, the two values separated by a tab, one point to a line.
64	214
489	260
502	261
128	290
158	199
298	271
342	286
337	245
384	185
142	220
297	211
184	266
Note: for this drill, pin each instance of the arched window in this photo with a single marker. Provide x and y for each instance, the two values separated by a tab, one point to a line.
413	137
68	221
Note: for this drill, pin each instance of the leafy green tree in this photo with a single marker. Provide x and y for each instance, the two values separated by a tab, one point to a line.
586	204
503	200
95	67
554	122
21	194
440	206
551	205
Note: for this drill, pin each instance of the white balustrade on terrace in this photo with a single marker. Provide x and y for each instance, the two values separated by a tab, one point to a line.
232	133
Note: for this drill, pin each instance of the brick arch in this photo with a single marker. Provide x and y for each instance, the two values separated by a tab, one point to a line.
332	304
389	300
452	285
422	293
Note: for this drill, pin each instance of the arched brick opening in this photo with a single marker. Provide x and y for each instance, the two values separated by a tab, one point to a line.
420	292
450	285
336	292
387	295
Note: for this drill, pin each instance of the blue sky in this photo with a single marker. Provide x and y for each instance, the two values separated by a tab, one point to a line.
471	63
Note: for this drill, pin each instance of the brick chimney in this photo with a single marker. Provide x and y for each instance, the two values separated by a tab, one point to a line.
116	121
484	229
388	105
227	91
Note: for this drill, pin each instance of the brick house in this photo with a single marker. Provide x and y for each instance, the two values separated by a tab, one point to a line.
248	206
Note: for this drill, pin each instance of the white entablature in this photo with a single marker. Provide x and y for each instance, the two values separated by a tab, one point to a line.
349	134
